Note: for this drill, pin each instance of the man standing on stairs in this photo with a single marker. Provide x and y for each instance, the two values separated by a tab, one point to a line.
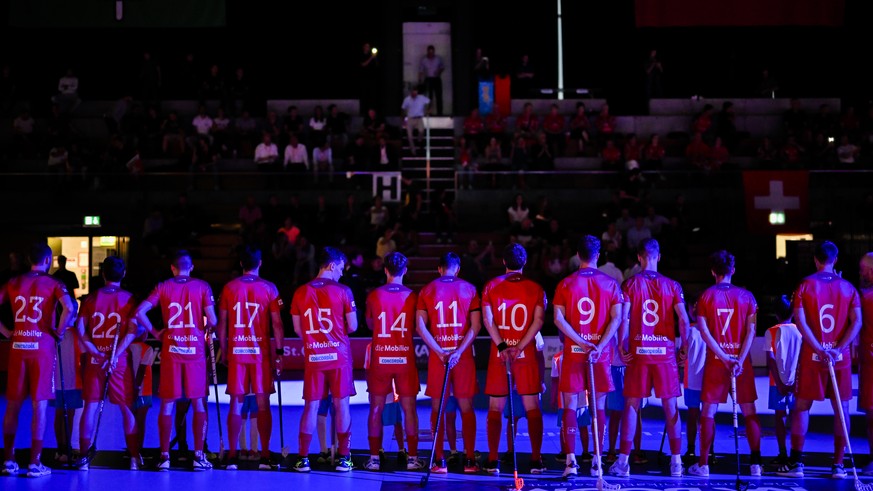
430	73
415	108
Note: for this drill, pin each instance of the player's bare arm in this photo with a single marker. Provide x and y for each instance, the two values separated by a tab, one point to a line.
488	320
68	315
127	340
535	327
427	337
211	319
475	320
222	334
748	338
298	330
278	335
569	332
624	333
351	322
611	328
141	316
850	334
85	338
711	344
684	322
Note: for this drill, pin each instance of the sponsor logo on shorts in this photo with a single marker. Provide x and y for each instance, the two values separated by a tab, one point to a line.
95	361
323	357
247	351
577	349
25	346
651	351
392	360
183	350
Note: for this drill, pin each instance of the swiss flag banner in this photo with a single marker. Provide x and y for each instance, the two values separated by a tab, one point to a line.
776	193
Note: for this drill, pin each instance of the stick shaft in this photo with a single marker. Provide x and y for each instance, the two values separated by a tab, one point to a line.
838	402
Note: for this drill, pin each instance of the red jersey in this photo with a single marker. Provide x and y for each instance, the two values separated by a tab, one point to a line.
473	125
183	300
867	327
611	154
580	122
605	124
391	311
653	297
826	300
655	152
448	301
726	308
105	314
553	123
322	305
33	296
495	123
249	302
513	300
527	123
588	296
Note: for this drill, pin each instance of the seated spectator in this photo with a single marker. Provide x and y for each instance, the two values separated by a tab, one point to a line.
654	222
322	160
385	156
475	262
293	122
220	131
296	156
517	213
358	155
173	136
379	215
631	189
317	127
202	123
633	150
553	126
290	230
792	152
638	233
239	90
67	97
267	153
527	123
59	161
555	266
847	152
554	234
337	121
605	123
609	267
23	140
625	221
654	154
493	154
611	156
465	158
386	245
703	121
767	153
474	129
495	125
374	125
612	238
541	154
274	128
579	127
213	86
719	154
519	157
726	127
250	214
246	129
697	152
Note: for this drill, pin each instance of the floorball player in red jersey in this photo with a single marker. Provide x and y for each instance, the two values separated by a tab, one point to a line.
105	329
512	311
726	318
827	311
391	317
248	312
865	351
448	319
34	296
323	312
185	302
588	310
648	347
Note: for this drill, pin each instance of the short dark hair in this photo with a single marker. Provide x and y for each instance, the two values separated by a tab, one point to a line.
722	262
589	246
113	268
249	257
38	253
62	259
395	263
330	255
182	260
450	260
782	308
648	248
514	256
826	252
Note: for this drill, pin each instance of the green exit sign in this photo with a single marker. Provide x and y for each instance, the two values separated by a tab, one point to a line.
92	221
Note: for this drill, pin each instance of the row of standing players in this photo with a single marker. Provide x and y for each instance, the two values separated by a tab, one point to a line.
601	321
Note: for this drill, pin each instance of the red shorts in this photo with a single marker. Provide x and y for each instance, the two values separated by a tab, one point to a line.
574	377
717	383
249	378
338	382
120	383
462	378
32	375
814	381
525	376
865	383
176	376
385	379
640	378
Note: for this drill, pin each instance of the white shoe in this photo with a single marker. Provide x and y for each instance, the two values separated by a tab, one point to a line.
414	464
572	469
620	470
756	470
373	465
595	467
868	469
697	470
136	463
10	467
676	469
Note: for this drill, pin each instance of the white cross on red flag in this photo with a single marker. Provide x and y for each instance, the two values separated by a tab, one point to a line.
777	192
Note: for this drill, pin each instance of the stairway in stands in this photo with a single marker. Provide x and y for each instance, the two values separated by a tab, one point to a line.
423	267
441	157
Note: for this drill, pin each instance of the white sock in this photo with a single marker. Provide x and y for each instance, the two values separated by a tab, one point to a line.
675	459
374	457
622	458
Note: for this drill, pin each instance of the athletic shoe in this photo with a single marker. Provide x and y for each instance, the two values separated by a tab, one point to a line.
610	457
344	464
264	464
781	460
439	467
373	465
537	467
698	470
791	469
163	464
639	457
38	470
595	467
232	464
571	469
492	467
756	470
302	465
61	458
838	471
676	469
414	464
471	467
10	467
136	463
324	459
868	469
454	457
561	458
402	457
619	470
586	457
201	464
82	466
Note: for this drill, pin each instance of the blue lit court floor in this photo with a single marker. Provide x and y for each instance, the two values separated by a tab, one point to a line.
106	472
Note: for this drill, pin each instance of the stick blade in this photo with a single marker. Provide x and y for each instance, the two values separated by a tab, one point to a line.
605	486
742	486
87	458
519	483
859	486
285	452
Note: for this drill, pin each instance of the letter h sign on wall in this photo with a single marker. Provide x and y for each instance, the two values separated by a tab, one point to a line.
387	185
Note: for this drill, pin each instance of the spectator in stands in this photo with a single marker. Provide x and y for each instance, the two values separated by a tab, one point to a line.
415	107
605	124
250	214
495	125
368	79
213	87
274	128
638	233
703	122
519	157
847	152
612	238
23	139
290	230
304	265
517	213
523	79
792	153
358	155
430	75
202	124
481	71
625	221
475	262
493	154
794	119
824	121
850	124
374	126
240	90
821	151
542	156
203	158
474	129
296	156
654	154
173	136
609	266
386	245
697	152
317	127
465	162
113	117
59	126
267	154
352	217
768	86
527	123
150	79
611	156
379	215
293	122
555	264
553	126
246	129
718	154
554	234
633	150
654	222
322	161
59	163
68	92
579	127
385	156
726	127
337	134
323	222
654	70
767	153
630	191
220	132
150	138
